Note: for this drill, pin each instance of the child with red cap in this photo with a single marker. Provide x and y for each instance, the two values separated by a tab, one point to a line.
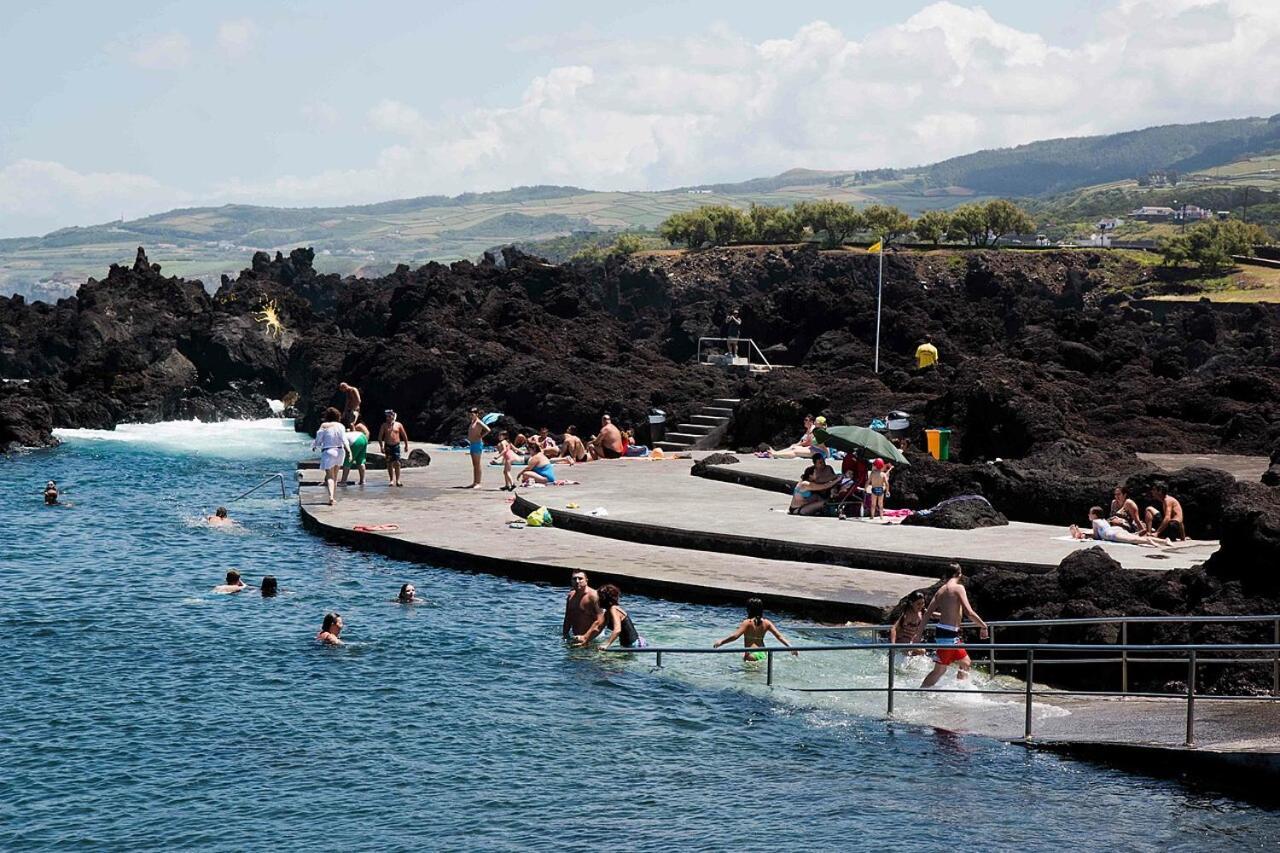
878	485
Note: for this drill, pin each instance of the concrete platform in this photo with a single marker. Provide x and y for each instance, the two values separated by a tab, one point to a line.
467	529
660	503
1249	468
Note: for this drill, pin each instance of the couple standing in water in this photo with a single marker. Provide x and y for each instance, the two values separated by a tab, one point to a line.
587	612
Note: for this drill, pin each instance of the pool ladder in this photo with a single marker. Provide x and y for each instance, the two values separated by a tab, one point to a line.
276	476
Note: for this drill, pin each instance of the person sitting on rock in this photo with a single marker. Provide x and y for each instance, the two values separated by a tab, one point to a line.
1104	531
1168	514
1124	511
800	448
809	496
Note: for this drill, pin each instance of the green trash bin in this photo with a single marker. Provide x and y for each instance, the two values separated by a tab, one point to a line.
944	444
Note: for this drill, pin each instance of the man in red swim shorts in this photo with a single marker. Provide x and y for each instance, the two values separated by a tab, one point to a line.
951	602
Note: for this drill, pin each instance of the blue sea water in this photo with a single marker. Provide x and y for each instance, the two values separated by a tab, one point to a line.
141	711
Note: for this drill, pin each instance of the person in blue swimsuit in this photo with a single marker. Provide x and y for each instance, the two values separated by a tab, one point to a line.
538	469
476	431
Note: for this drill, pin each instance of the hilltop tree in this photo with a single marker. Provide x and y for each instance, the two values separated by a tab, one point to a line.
834	219
985	224
886	222
713	224
932	226
774	224
1211	244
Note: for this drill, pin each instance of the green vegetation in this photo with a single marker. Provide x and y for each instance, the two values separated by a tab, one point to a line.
1210	244
932	226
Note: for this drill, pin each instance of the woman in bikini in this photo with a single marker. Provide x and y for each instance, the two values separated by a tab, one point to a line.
752	630
617	620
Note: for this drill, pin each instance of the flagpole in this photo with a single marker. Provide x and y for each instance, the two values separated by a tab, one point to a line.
879	298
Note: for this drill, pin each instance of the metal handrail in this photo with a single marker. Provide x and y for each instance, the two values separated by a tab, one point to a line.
751	345
1090	620
276	476
1029	662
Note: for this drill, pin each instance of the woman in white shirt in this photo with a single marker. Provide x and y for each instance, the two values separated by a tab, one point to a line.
331	441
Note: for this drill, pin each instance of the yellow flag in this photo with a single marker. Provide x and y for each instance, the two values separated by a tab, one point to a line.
876	247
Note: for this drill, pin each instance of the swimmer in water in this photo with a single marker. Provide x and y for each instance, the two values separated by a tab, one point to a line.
269	586
331	630
220	518
51	493
408	595
752	631
233	584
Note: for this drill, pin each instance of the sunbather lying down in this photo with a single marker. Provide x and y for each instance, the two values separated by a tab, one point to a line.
1107	532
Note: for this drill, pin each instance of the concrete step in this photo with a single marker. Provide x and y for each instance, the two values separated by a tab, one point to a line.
716	410
683	437
709	420
673	445
700	429
728	402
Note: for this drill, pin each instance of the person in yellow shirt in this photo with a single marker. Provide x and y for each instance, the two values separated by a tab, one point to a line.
926	353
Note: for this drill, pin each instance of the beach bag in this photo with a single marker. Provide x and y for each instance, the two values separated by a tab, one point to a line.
540	517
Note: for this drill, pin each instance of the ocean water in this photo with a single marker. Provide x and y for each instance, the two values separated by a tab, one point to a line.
141	711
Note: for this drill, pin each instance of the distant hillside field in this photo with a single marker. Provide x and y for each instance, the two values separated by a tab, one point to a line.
1065	183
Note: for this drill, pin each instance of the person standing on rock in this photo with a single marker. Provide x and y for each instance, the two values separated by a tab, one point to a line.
476	431
352	402
393	438
331	441
926	353
581	608
733	331
951	603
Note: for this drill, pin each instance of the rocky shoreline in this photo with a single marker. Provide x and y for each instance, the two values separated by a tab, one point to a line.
1049	376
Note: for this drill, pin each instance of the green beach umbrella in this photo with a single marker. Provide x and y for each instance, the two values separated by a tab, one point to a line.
851	439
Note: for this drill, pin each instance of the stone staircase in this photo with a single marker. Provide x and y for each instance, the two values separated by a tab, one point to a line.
704	430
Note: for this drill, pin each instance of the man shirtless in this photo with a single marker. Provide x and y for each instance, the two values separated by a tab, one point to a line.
951	602
476	431
609	442
1169	514
351	403
581	608
233	584
395	443
910	625
572	446
220	518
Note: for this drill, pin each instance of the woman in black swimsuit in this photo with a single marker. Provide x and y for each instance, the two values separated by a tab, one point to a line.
617	620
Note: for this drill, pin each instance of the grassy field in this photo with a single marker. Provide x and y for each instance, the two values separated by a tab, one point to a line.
1242	284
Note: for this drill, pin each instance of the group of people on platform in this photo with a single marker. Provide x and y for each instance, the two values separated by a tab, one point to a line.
1160	525
343	439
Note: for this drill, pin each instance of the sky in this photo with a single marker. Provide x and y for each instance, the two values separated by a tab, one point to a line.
123	109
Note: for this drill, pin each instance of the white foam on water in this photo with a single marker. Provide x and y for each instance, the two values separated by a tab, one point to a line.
265	436
277	406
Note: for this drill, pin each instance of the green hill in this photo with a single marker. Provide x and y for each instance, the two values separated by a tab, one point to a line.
1063	181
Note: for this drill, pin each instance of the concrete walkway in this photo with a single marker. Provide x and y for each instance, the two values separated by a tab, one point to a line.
461	528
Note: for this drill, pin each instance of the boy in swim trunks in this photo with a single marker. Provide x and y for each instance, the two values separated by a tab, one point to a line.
393	438
878	485
476	431
951	602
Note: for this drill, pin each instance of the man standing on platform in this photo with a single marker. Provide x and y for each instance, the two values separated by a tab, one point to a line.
951	602
476	431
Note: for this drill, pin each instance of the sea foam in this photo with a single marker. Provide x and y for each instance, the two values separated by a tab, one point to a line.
266	436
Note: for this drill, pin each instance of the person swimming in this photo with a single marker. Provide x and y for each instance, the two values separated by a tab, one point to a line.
51	493
269	586
233	584
408	595
330	633
753	630
220	518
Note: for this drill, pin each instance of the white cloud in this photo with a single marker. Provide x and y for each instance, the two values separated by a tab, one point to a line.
945	81
37	196
237	38
165	51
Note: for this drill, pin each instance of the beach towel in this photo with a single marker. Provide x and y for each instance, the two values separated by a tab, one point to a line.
375	528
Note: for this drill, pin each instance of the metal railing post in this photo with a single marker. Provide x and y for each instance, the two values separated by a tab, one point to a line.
991	653
659	660
1275	661
768	662
889	710
1124	658
1031	672
1191	699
